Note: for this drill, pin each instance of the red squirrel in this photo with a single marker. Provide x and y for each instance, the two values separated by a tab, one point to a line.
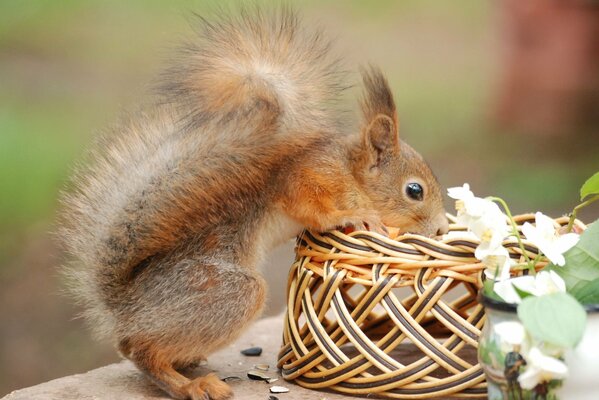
242	150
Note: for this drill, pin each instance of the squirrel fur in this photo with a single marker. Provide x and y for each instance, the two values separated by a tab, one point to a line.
241	151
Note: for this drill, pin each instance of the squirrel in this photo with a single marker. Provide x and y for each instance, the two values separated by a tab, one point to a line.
241	150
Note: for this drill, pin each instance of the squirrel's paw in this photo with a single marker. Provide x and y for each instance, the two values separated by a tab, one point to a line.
371	222
208	387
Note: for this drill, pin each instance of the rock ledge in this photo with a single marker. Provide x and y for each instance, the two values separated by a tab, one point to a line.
124	381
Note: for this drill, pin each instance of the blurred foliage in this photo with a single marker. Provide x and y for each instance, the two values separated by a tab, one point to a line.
67	67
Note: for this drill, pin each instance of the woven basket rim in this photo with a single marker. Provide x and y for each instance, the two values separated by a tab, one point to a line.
367	240
358	252
454	226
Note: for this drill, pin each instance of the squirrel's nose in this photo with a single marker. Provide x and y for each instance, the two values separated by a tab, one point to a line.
442	224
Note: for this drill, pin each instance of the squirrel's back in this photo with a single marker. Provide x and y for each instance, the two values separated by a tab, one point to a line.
246	92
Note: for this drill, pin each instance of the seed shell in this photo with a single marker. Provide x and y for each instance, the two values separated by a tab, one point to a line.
262	367
278	389
258	375
252	351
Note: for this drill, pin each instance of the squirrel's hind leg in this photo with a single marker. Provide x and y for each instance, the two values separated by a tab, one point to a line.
182	366
180	312
161	372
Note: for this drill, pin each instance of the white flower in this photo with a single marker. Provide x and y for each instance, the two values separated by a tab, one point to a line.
545	282
506	291
467	205
548	282
510	334
541	368
491	224
484	218
460	192
546	238
496	260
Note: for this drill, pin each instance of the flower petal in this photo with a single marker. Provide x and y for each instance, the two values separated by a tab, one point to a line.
554	256
544	223
559	283
541	368
496	260
545	236
554	368
506	291
525	283
510	332
531	234
460	192
551	368
488	220
566	242
529	378
547	283
475	206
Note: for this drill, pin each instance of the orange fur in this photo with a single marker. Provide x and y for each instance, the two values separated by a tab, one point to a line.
242	150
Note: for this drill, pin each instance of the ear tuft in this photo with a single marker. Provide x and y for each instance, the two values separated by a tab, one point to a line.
378	98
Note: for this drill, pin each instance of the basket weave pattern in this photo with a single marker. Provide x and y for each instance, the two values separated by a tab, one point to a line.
350	327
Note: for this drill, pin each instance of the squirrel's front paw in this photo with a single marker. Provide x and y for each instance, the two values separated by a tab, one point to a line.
370	222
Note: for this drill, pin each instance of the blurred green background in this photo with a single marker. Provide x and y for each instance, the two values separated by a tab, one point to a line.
68	67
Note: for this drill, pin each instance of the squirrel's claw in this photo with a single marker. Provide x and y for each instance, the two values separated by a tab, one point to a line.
372	224
379	228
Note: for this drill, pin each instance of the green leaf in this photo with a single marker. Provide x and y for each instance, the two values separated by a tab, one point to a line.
522	293
554	318
587	292
582	260
590	187
589	241
488	290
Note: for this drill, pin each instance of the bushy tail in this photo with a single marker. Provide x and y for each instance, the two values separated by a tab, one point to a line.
257	61
244	73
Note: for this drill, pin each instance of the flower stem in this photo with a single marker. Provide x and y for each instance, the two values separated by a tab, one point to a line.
575	211
520	267
515	232
533	263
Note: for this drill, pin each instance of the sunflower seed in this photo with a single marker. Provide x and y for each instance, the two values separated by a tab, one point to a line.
272	380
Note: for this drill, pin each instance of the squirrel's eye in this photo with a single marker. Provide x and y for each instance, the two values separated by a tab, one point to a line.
415	191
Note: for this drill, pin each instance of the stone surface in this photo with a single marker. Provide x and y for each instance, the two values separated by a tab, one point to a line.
124	381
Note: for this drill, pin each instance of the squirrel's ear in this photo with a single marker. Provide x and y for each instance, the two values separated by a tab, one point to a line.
380	134
377	99
380	139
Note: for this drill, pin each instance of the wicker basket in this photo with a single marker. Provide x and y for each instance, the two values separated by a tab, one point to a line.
396	317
